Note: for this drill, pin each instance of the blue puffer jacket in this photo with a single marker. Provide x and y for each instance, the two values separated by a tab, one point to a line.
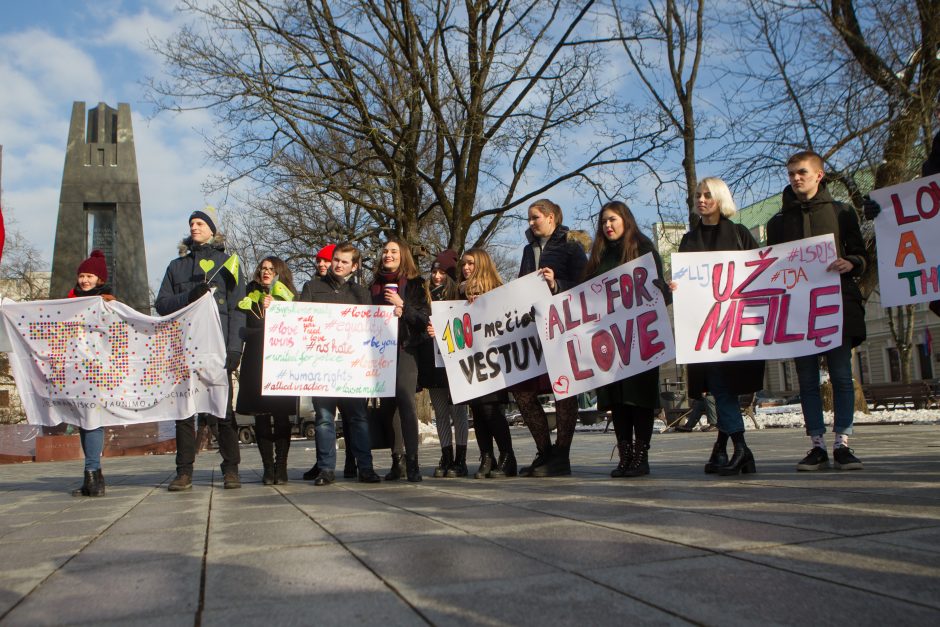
185	273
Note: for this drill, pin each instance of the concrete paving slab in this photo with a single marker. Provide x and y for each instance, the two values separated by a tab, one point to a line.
924	539
324	610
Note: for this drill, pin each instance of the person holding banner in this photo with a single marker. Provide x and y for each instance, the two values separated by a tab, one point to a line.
809	210
453	462
489	411
272	413
203	268
398	283
632	401
560	261
723	380
339	286
92	281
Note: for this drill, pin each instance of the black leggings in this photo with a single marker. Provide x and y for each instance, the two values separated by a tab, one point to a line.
406	385
631	422
489	423
269	427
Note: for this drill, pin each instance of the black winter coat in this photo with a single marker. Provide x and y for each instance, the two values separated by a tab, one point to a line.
787	226
416	314
565	257
250	401
330	289
184	273
932	164
742	377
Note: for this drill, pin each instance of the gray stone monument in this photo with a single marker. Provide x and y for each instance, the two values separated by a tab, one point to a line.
99	205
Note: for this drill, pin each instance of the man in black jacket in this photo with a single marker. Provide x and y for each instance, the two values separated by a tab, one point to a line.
338	286
809	210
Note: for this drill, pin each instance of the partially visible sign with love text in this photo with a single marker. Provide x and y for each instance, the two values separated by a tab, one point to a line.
323	349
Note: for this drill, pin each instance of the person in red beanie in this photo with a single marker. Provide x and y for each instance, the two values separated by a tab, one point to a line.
324	259
91	281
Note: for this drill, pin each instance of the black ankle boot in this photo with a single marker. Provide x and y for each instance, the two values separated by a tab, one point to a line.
639	460
719	458
540	460
350	468
447	460
557	465
281	448
395	472
89	479
506	467
625	450
266	450
459	467
412	468
742	462
486	466
99	484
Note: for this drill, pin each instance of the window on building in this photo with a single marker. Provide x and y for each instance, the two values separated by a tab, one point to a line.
786	375
894	364
861	359
926	365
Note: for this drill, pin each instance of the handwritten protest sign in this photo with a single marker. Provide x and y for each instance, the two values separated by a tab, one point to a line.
89	363
906	233
606	329
768	303
324	349
493	342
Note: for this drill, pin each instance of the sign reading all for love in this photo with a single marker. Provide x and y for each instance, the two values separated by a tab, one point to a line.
322	349
906	233
606	329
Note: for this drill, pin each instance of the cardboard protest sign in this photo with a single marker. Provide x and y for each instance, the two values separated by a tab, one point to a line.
89	363
606	329
491	343
326	349
906	233
768	303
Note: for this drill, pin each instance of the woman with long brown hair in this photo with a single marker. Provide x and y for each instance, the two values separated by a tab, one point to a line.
398	283
632	401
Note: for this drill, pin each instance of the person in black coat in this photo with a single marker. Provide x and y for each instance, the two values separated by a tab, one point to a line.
560	261
338	286
272	413
725	381
398	283
185	282
809	210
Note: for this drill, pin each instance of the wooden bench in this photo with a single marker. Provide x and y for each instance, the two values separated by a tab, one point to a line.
917	394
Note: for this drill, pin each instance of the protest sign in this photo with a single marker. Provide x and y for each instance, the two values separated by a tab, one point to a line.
328	349
768	303
906	234
606	329
491	343
89	363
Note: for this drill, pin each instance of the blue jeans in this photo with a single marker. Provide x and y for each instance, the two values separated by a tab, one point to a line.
839	362
356	431
92	446
726	402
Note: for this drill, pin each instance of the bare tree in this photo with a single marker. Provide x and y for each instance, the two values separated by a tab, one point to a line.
400	117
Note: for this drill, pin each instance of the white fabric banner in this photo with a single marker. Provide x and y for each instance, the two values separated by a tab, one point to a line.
90	363
327	349
491	343
606	329
906	234
768	303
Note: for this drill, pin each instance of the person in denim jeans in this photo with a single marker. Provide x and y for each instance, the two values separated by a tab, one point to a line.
339	286
809	210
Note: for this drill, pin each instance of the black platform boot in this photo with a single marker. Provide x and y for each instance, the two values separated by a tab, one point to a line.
459	467
486	466
447	460
639	460
558	464
412	468
97	489
506	467
742	462
395	472
719	458
86	484
625	450
281	448
540	460
266	450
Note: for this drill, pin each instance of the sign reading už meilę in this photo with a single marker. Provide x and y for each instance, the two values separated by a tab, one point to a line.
776	302
89	363
906	234
491	343
329	349
606	329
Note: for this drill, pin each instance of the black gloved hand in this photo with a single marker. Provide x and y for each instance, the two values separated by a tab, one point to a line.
197	292
231	360
870	207
660	285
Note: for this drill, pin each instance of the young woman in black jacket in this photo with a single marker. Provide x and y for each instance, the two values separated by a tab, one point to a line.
398	283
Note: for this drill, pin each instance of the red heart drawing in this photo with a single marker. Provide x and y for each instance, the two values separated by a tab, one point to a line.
561	385
596	288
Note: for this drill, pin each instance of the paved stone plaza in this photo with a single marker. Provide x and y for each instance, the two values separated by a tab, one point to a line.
677	547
